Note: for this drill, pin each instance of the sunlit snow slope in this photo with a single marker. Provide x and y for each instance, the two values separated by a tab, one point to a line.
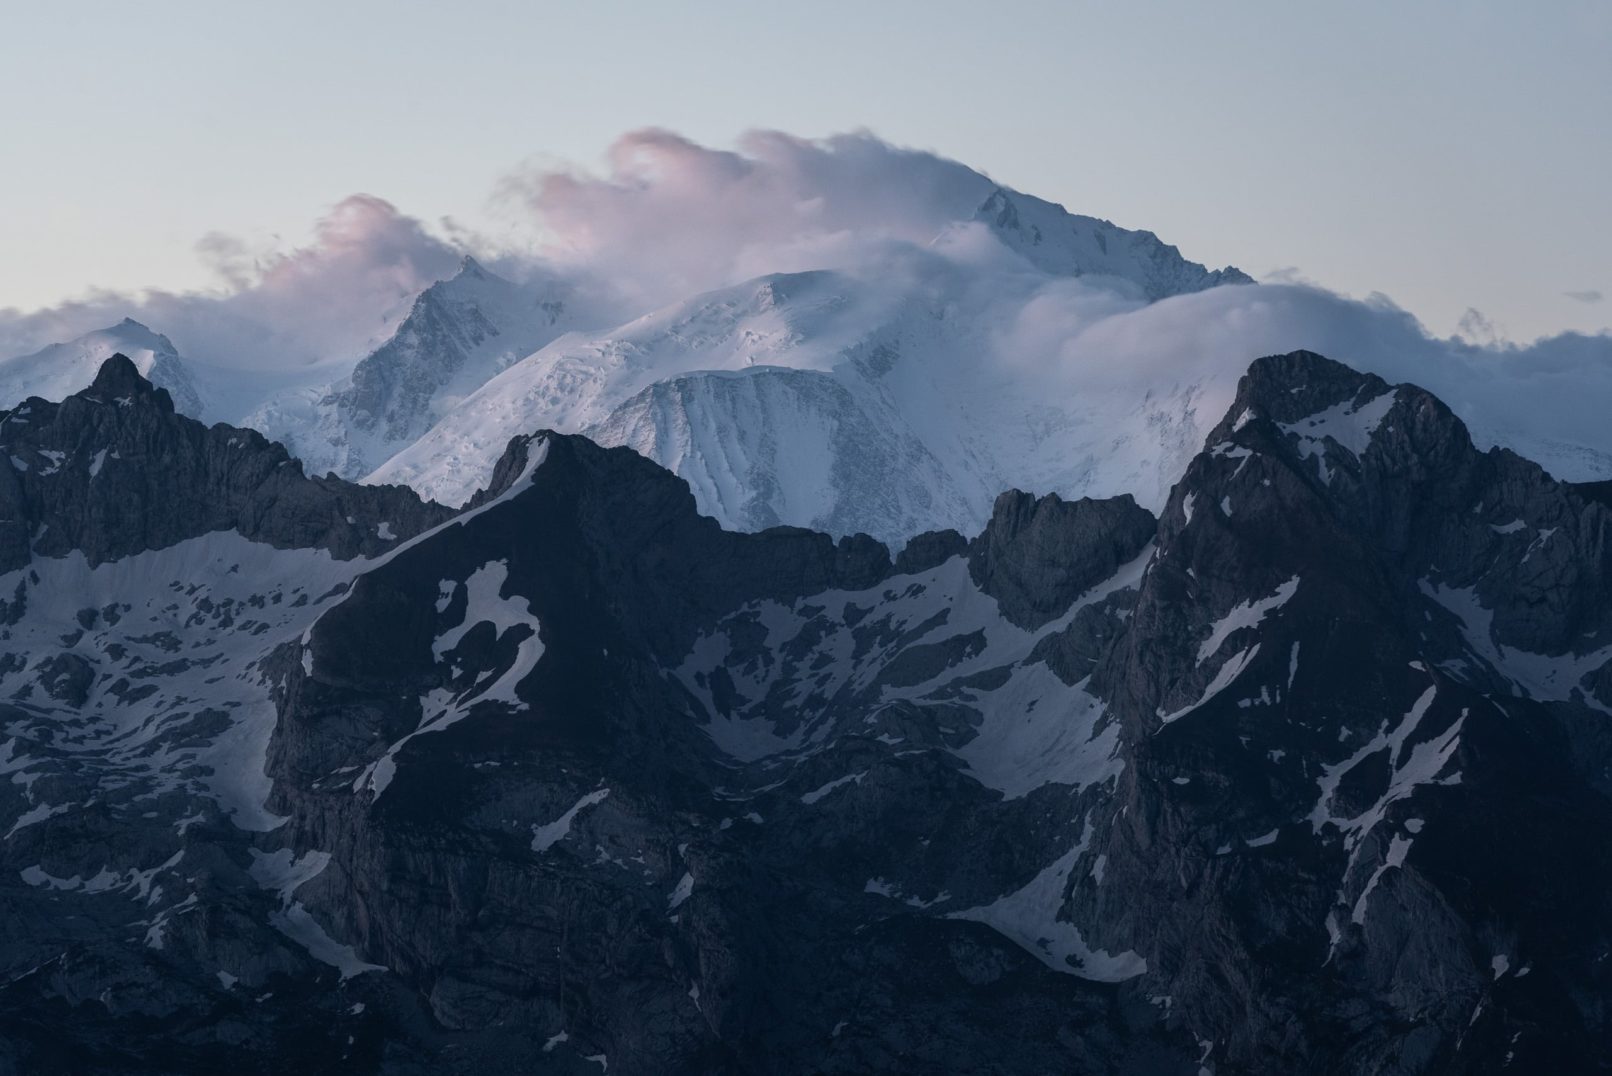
62	369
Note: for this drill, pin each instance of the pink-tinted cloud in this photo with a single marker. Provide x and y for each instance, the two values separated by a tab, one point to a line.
328	300
670	217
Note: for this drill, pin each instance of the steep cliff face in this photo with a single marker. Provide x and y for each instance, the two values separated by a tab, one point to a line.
1308	774
1363	827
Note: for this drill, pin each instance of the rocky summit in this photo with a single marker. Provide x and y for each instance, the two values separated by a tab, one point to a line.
1308	773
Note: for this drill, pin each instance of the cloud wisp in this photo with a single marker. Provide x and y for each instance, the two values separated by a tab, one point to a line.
278	311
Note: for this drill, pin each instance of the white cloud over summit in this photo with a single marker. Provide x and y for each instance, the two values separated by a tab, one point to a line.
667	218
670	217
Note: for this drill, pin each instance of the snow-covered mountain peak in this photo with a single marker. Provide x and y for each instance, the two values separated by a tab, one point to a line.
475	290
470	267
460	332
768	320
821	399
785	325
56	372
1062	243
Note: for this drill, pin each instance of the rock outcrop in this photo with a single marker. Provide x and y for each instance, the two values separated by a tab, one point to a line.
112	471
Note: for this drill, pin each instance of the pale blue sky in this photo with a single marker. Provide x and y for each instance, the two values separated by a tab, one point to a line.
1446	154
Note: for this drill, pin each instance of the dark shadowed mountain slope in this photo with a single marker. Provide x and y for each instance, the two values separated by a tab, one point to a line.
112	471
1307	775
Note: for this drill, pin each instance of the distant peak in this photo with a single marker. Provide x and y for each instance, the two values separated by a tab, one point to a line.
778	289
136	334
141	334
472	276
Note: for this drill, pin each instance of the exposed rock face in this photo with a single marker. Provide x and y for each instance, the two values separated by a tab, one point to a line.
459	333
1309	774
928	550
1363	654
393	391
1037	556
112	471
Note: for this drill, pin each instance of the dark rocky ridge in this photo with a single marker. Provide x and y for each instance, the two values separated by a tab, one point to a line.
112	470
1493	833
1321	788
1037	555
593	546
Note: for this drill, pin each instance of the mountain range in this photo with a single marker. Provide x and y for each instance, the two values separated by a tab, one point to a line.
824	398
951	657
1306	771
888	391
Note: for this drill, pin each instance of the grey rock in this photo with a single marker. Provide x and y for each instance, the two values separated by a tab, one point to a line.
929	550
112	470
1037	555
1321	787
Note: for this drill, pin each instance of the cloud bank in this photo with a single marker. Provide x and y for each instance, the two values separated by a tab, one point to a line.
1543	399
666	218
670	217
